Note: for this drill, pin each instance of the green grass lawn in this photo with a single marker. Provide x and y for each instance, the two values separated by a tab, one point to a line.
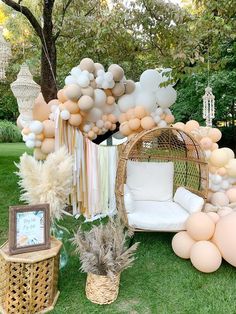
159	282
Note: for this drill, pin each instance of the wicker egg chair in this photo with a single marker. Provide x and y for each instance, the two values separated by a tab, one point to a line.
165	145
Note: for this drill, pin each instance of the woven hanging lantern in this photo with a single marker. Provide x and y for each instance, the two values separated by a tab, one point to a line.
26	91
5	55
208	106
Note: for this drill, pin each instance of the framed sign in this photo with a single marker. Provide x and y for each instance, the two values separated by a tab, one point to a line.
29	228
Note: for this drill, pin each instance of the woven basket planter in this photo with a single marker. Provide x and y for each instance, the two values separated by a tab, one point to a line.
102	289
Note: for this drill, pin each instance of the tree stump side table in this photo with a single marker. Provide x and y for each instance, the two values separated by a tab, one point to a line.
28	281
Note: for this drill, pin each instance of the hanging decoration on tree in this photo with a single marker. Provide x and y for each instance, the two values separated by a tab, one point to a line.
26	91
208	106
5	55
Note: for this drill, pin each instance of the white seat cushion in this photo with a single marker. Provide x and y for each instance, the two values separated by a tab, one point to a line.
150	181
188	200
158	216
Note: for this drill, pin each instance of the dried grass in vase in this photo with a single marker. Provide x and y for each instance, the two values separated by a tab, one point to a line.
103	250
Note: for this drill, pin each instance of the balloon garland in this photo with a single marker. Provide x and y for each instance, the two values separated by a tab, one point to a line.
94	100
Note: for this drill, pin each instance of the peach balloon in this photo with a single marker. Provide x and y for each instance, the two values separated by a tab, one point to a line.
179	125
40	137
169	118
225	211
75	119
53	102
220	199
214	146
61	96
212	169
39	155
215	134
110	100
229	152
108	92
140	112
95	129
104	117
26	131
209	195
85	102
206	143
147	123
214	216
107	124
130	114
181	244
125	129
112	118
113	127
231	193
225	237
49	128
199	226
91	135
219	158
134	124
71	106
221	171
191	125
205	256
48	146
62	107
41	110
123	118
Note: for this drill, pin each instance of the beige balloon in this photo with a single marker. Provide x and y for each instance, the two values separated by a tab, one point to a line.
182	244
199	226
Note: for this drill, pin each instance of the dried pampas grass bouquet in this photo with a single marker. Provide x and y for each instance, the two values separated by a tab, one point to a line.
46	182
103	250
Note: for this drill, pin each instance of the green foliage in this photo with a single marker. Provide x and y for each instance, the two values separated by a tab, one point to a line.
9	132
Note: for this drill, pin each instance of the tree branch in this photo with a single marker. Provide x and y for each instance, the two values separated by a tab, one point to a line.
27	13
62	18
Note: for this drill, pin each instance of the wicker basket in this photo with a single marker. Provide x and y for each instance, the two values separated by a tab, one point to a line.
28	281
102	289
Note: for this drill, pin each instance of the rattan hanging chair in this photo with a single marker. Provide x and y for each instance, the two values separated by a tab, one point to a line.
164	145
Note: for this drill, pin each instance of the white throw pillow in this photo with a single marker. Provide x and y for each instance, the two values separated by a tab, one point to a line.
150	181
188	200
128	200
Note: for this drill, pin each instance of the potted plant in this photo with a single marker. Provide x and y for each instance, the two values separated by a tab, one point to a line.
104	254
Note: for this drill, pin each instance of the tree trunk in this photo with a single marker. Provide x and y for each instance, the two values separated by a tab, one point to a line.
48	55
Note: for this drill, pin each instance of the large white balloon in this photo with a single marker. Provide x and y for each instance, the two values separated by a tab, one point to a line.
166	96
150	80
70	80
36	127
76	72
126	102
146	99
99	98
94	115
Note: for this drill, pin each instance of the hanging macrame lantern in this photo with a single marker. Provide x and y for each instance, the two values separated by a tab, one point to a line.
208	106
26	91
5	55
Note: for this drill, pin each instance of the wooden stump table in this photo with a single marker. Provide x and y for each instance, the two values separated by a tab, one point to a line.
28	281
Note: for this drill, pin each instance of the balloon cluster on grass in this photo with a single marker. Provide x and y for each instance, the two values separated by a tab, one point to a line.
222	167
148	105
208	238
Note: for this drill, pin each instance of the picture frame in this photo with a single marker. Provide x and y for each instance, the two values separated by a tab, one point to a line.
29	228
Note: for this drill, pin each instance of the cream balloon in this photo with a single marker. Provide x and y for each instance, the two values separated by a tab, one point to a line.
199	226
166	96
219	158
150	80
231	168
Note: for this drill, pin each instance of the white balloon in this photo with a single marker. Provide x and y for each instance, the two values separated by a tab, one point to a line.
65	114
52	116
215	187
36	127
76	72
70	80
216	179
225	184
94	115
25	138
159	111
91	76
150	80
99	80
53	108
157	119
162	124
167	111
146	99
87	127
100	72
30	144
31	136
83	80
111	84
166	96
108	76
126	102
207	153
85	72
99	98
105	84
